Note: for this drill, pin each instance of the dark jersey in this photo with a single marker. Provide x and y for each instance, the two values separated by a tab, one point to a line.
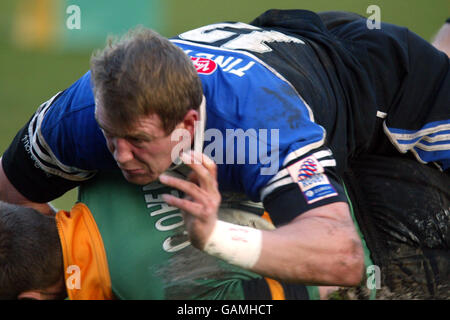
304	100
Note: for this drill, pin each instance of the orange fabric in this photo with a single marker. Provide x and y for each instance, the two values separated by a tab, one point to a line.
82	247
275	289
266	217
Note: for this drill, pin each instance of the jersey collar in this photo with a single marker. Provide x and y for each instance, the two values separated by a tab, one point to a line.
199	134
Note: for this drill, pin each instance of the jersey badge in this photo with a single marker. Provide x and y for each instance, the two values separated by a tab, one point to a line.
309	175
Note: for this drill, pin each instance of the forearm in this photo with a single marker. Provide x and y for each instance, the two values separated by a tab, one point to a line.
44	208
314	249
320	246
8	193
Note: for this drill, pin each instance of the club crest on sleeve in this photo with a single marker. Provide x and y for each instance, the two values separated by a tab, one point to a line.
309	175
308	168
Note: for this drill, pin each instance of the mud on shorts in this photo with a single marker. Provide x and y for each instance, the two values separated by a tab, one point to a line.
403	210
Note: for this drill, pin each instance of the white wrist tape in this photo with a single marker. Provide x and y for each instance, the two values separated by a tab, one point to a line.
235	244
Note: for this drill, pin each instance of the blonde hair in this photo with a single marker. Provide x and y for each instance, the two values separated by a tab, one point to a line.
144	73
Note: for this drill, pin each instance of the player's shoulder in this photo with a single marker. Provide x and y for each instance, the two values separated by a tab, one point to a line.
74	104
66	125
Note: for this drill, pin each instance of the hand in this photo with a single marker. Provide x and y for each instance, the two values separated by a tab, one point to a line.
202	200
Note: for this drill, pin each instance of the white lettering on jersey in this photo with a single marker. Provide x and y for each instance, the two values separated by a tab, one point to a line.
210	33
169	218
255	41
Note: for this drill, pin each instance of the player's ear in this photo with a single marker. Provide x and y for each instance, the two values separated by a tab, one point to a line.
30	295
189	121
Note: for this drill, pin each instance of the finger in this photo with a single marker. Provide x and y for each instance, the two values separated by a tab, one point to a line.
193	177
209	164
206	170
185	205
189	188
201	158
199	171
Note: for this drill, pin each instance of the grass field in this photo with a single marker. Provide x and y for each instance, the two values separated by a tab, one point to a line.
29	77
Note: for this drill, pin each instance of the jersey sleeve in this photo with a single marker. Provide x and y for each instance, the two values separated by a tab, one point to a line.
60	147
303	183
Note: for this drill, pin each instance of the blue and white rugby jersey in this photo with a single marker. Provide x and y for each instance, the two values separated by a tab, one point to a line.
286	105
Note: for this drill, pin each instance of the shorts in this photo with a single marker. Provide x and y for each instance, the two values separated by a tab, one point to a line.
403	210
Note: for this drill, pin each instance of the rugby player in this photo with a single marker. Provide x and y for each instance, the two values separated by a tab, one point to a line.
47	257
332	99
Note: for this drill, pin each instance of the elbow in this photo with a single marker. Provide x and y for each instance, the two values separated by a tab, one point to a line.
352	264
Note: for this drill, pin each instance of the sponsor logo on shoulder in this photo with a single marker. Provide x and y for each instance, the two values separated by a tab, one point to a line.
204	65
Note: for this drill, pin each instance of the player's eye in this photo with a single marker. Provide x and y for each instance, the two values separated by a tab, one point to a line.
136	141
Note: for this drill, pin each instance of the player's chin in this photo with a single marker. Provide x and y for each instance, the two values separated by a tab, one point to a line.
140	178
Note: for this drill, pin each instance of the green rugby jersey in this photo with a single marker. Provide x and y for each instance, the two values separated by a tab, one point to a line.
149	254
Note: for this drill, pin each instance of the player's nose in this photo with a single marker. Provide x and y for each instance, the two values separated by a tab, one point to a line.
122	151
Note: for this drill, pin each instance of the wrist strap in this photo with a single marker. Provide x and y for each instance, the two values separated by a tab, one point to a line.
235	244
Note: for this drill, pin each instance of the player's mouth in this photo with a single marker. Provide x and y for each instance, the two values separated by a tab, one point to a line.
133	172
